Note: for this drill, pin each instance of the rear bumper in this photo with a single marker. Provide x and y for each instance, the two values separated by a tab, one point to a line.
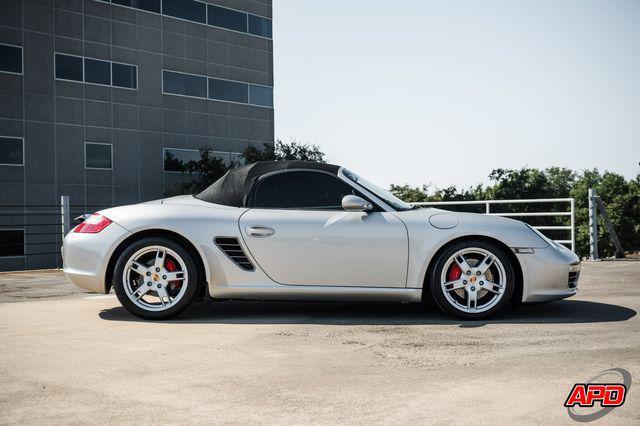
86	256
546	274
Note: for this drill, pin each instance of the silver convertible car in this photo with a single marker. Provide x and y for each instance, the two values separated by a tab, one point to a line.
296	230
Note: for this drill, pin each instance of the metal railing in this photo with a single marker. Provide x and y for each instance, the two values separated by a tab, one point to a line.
487	210
38	232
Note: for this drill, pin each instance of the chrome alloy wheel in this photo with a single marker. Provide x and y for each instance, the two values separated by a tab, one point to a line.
155	278
473	280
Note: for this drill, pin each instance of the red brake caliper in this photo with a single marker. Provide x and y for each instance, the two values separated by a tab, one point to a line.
454	273
171	267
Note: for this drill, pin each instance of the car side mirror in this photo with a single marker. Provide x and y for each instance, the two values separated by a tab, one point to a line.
353	203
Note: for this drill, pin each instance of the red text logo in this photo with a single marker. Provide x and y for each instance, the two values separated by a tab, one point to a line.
588	394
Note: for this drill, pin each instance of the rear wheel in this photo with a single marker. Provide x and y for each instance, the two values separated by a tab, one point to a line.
472	279
155	278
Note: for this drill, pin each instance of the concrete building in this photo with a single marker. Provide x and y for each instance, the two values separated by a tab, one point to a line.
95	95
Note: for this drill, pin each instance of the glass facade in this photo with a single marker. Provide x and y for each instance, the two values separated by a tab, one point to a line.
224	90
177	83
95	71
227	18
185	9
69	67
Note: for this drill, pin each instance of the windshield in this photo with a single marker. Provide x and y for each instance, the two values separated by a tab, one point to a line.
383	194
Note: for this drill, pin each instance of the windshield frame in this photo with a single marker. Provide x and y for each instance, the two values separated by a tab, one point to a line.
383	195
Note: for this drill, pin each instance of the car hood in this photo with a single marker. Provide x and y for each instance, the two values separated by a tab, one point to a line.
512	232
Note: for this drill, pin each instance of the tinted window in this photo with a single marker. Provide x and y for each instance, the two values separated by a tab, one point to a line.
11	151
228	90
98	72
260	95
98	155
184	84
10	59
68	67
260	26
176	160
12	242
185	9
149	5
227	18
124	76
303	190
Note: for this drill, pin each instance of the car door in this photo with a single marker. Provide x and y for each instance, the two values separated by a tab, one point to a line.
299	234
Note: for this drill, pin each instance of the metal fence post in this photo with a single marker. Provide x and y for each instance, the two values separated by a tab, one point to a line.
593	226
573	225
488	208
65	215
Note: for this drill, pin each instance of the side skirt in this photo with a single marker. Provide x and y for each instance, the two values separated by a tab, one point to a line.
318	293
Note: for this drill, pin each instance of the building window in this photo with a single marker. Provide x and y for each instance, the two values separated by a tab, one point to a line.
98	155
177	83
10	59
260	26
226	18
69	67
186	9
177	160
12	242
202	13
260	95
148	5
11	151
124	75
225	90
97	72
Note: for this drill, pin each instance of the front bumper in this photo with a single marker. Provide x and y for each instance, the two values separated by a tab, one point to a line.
86	256
549	274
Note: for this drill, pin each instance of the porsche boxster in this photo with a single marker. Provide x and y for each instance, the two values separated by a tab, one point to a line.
295	230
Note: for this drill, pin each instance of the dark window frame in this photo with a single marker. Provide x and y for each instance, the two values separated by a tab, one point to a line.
251	197
23	151
21	59
183	3
87	167
210	95
84	71
84	76
164	154
55	67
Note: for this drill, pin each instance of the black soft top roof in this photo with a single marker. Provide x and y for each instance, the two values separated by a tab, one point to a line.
232	188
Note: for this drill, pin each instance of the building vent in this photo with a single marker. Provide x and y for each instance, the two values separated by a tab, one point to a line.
232	248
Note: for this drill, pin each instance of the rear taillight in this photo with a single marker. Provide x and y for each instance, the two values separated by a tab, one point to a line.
94	224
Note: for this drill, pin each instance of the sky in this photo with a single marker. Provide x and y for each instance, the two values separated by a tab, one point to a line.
443	92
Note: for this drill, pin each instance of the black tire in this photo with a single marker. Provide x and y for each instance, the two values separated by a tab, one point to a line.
192	282
437	292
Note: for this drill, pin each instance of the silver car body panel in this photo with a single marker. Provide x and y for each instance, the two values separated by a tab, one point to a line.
319	255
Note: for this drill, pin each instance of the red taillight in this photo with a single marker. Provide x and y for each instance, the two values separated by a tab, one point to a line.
93	225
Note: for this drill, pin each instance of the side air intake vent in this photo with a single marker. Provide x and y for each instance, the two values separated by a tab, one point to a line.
232	248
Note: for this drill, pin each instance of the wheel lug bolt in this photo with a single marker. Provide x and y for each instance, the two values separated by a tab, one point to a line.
148	274
473	288
478	273
159	286
149	283
468	272
481	282
164	277
157	269
464	282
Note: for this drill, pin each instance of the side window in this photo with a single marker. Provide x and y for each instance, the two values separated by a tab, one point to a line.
301	190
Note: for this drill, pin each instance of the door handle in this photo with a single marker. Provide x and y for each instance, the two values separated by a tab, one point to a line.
259	231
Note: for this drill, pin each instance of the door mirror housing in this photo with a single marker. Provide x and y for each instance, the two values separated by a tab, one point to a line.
353	203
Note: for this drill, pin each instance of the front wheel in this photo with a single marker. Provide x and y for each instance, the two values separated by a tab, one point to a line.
155	278
472	279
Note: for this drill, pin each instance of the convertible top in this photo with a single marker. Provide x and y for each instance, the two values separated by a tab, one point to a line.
232	188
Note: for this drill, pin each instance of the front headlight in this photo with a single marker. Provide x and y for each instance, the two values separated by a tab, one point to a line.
544	237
